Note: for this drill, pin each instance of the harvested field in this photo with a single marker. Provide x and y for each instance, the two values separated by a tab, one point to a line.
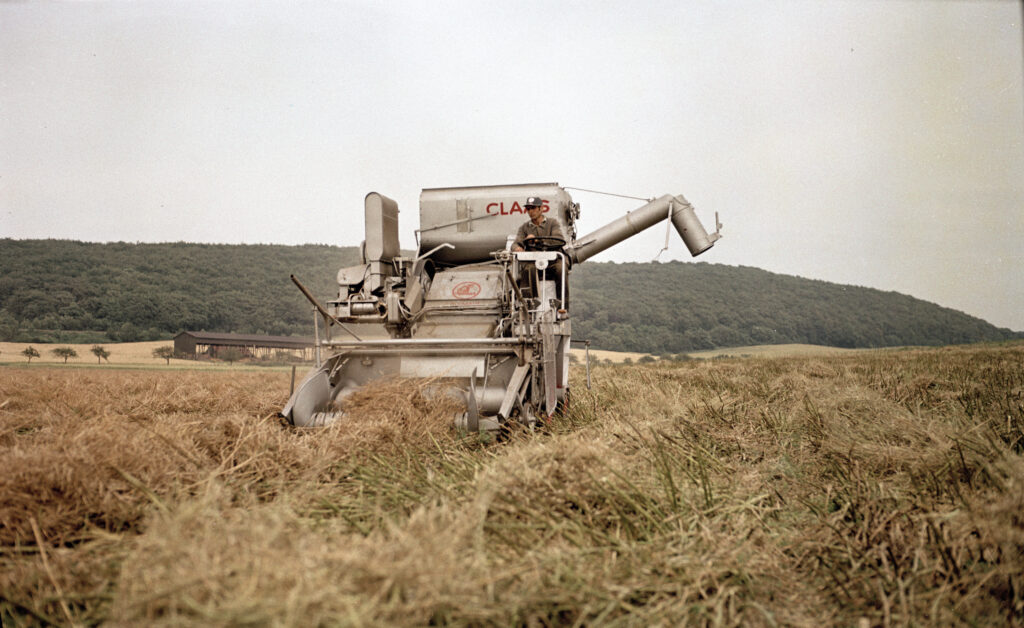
774	351
875	488
141	353
765	351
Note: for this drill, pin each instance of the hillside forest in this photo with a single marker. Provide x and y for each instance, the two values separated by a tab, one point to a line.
68	291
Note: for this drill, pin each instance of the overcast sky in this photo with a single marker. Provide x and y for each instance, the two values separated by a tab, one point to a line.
870	143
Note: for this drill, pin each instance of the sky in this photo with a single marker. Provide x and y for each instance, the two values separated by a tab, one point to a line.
872	143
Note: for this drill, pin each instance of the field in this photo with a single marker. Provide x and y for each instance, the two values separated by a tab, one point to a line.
762	351
133	353
141	353
867	488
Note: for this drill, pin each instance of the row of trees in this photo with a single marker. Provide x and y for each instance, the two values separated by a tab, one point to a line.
66	353
102	354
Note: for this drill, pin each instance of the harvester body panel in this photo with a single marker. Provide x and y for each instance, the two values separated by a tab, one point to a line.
478	220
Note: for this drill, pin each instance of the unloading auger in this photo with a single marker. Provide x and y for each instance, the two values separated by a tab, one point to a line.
467	309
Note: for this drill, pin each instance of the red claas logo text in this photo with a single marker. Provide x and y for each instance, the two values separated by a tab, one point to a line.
503	210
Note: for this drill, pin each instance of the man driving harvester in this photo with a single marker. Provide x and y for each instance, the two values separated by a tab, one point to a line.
545	229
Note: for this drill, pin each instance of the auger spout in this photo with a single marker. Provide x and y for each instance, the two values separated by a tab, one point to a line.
678	208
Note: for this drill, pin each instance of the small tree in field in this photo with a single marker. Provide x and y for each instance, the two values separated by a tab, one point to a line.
100	353
65	352
30	352
164	353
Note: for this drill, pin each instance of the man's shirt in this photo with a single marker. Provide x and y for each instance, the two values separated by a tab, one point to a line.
548	227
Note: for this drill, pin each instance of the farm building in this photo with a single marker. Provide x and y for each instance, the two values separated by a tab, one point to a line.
202	344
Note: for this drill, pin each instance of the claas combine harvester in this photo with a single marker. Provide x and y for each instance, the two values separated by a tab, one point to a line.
468	309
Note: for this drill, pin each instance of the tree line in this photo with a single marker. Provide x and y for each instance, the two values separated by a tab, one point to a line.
676	306
68	291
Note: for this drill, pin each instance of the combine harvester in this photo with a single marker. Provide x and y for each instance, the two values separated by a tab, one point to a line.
467	309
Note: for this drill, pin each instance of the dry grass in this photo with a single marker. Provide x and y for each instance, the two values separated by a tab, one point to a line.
879	488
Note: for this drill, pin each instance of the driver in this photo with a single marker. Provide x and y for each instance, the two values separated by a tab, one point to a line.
541	226
537	225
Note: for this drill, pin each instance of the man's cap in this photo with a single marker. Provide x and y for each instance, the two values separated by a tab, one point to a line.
534	201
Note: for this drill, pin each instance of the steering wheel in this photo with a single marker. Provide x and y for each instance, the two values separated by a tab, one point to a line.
543	243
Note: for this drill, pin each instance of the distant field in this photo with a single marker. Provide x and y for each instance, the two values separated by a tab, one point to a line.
757	350
120	353
772	351
141	353
127	354
870	488
614	356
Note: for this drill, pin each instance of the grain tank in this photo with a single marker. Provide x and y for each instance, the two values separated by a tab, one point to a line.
491	322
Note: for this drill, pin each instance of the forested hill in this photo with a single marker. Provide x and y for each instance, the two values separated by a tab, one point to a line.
69	291
678	306
150	291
